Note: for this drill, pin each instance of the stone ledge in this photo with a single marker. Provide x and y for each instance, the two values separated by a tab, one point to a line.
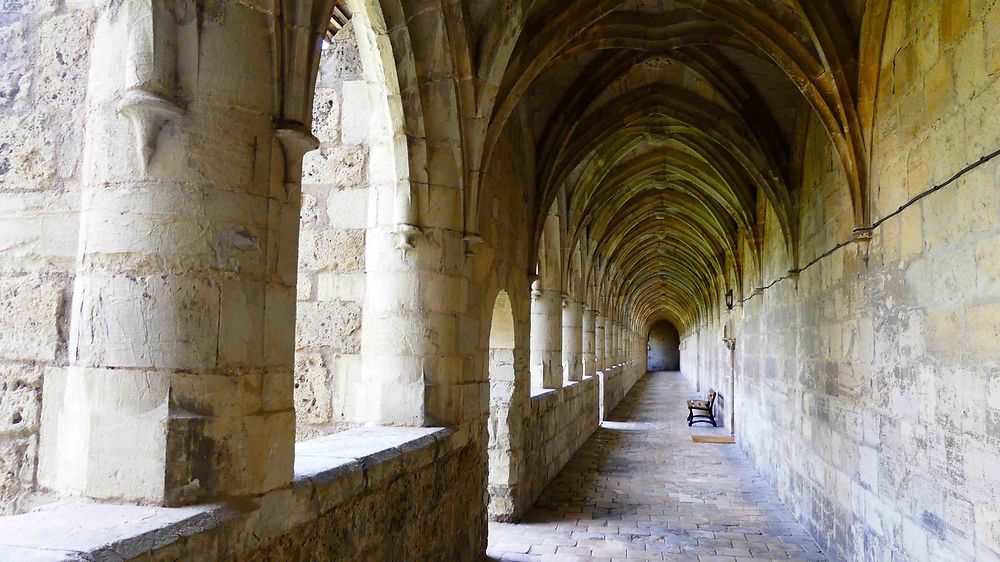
329	471
543	393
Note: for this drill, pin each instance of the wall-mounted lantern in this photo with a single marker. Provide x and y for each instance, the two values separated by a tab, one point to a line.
729	299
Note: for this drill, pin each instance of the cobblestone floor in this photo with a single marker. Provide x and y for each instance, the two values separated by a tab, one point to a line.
641	489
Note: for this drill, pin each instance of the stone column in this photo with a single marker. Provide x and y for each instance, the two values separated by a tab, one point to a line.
546	337
613	346
572	335
600	355
182	330
589	365
633	349
609	343
624	346
618	343
631	346
619	339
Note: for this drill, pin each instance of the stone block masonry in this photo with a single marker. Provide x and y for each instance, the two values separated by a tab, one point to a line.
235	233
334	509
866	388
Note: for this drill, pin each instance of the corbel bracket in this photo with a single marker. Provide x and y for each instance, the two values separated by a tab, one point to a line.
148	113
472	244
863	238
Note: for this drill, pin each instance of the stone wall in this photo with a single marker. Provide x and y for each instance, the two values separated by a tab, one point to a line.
867	391
44	61
331	280
423	514
616	382
336	508
537	432
559	422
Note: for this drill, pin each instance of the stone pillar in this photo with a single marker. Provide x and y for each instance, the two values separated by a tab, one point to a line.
613	344
546	337
626	344
619	339
600	341
182	330
633	348
572	335
410	355
618	343
609	343
623	345
630	346
589	363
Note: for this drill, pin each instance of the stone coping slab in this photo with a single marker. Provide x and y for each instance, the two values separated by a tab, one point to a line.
328	471
542	393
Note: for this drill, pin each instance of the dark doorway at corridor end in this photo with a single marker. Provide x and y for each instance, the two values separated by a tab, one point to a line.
663	348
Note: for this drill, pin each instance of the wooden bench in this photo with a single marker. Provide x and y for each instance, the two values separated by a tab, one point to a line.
706	406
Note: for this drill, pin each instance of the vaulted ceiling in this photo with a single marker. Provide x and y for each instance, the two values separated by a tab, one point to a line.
670	125
663	130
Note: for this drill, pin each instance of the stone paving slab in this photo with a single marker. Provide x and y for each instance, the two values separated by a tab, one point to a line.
640	489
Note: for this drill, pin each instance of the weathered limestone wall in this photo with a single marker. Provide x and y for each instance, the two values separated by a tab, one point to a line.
331	281
41	139
617	382
538	431
868	394
361	494
559	422
420	514
44	62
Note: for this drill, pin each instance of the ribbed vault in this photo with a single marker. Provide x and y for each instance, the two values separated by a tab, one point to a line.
669	129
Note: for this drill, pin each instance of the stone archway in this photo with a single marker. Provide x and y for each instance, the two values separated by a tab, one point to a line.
663	348
501	377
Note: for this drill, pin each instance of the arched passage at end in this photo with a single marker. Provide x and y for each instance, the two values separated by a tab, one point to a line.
663	348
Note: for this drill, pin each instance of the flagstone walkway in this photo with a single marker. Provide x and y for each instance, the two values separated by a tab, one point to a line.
641	489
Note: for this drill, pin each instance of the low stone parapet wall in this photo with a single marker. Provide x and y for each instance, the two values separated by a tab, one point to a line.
351	492
560	421
616	381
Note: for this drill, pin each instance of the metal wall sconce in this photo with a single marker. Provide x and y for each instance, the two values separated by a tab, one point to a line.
729	299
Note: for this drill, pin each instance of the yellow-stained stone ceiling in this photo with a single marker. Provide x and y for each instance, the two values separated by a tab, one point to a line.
669	127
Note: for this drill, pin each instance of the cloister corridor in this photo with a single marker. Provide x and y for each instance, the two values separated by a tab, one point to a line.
641	489
382	280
